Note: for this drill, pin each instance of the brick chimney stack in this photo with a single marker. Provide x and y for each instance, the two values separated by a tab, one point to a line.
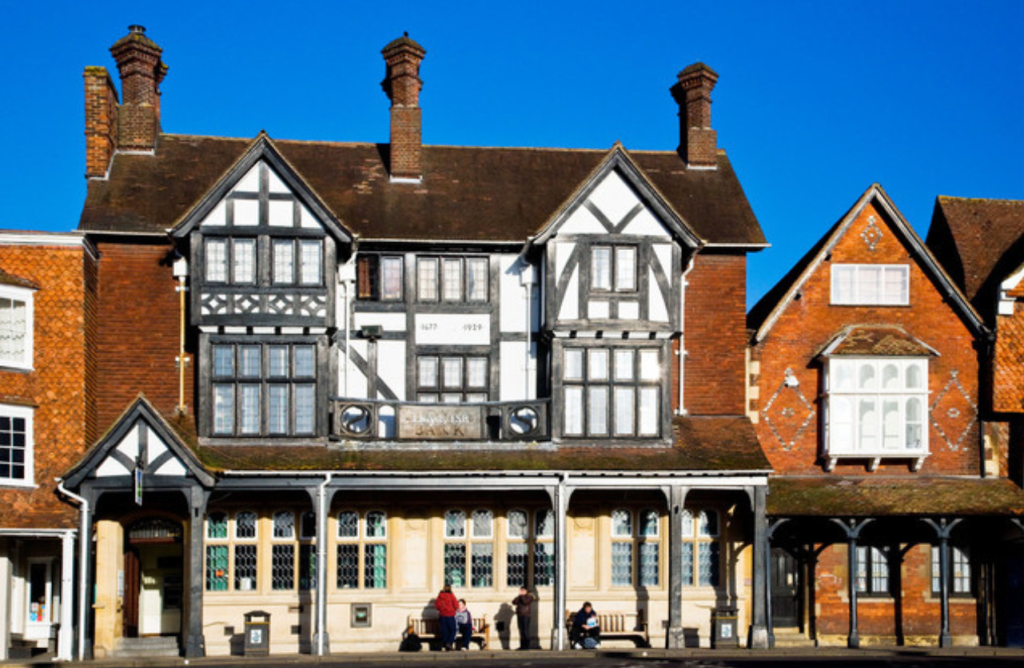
698	143
138	61
402	85
101	109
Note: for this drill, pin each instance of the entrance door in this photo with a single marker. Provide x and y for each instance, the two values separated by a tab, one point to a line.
130	593
40	599
785	589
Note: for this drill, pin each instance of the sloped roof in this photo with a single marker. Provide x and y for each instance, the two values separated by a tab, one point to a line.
763	315
16	281
834	496
701	444
979	241
467	193
884	340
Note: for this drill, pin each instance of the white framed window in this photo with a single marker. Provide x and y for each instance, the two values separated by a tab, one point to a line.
451	379
871	284
700	532
310	262
959	582
16	327
877	406
613	268
16	445
469	556
611	392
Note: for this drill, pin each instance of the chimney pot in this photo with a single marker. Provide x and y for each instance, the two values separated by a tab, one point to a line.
698	142
402	85
142	70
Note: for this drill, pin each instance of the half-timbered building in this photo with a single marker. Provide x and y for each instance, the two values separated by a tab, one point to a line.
891	514
336	376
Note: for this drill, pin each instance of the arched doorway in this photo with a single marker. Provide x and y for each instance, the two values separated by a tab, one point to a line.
153	587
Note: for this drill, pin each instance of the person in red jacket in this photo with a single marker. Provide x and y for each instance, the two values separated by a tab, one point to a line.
447	605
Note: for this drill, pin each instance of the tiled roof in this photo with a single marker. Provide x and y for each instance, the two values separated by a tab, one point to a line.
17	281
467	193
877	340
702	444
833	496
979	241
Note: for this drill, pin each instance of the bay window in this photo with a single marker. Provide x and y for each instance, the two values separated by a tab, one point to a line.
612	392
877	407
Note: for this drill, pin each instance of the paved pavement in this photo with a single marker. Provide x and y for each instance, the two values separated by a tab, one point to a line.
967	657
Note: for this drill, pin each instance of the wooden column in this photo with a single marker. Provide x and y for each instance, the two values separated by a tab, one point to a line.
559	502
195	643
675	496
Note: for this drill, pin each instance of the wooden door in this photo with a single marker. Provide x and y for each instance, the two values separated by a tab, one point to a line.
130	607
785	589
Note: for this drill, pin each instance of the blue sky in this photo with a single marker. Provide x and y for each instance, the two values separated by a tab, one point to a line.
815	101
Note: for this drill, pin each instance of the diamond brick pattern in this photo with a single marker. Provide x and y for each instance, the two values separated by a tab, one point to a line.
953	413
788	413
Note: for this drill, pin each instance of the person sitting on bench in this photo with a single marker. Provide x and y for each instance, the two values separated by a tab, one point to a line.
586	630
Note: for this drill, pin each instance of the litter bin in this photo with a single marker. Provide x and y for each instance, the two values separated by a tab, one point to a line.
257	633
723	628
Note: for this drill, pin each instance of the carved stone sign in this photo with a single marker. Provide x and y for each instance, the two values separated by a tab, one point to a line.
440	422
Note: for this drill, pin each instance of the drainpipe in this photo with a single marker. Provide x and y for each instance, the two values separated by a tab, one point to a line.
527	279
346	276
181	273
321	564
682	338
84	538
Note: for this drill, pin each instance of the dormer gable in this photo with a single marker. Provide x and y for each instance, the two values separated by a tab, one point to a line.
868	254
140	440
614	253
268	192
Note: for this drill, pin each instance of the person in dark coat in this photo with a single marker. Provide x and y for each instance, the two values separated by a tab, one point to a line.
447	605
585	625
524	610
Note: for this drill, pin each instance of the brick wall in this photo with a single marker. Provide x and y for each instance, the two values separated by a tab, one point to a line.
789	417
1008	362
137	342
715	335
58	386
101	108
912	613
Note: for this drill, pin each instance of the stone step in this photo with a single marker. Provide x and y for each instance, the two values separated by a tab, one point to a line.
791	637
137	648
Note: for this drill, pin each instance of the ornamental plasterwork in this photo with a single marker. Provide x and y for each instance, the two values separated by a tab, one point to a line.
872	233
788	402
954	392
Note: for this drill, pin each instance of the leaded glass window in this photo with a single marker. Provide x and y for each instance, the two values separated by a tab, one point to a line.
543	564
455	524
348	566
516	563
282	567
348	524
648	523
217	526
622	564
376	524
245	525
687	574
455	564
482	564
245	567
622	523
375	572
545	521
649	569
216	568
284	524
307	566
707	565
518	526
483	524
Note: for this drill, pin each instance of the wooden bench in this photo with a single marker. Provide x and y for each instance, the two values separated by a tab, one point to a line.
617	626
428	629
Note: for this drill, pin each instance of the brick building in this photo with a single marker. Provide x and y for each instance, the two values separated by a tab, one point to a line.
47	419
348	373
981	242
864	385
